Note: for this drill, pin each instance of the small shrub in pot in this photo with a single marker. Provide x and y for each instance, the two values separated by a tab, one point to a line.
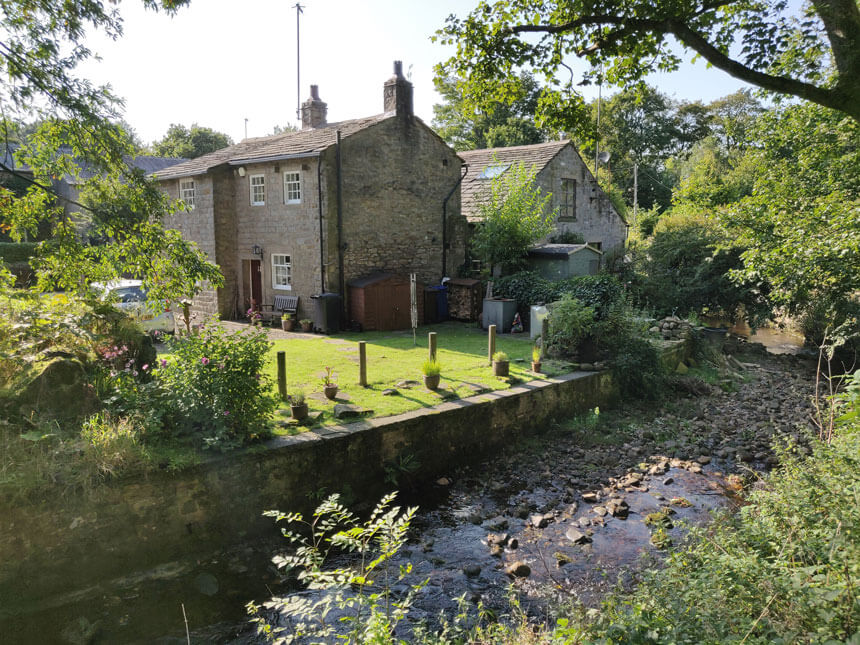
501	364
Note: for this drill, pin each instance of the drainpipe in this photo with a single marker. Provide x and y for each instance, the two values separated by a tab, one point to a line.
340	246
319	203
445	218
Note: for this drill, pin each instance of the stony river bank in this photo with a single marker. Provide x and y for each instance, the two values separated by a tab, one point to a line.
572	512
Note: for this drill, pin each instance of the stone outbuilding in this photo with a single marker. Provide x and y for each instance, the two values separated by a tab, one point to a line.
307	212
583	207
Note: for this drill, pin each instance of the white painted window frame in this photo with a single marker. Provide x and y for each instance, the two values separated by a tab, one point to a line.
252	186
188	194
294	181
286	261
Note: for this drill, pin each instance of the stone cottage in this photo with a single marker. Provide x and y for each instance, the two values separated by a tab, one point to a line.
583	207
306	212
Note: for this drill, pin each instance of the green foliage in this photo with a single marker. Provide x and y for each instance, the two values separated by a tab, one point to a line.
530	288
362	591
17	252
570	323
189	143
515	217
507	124
781	570
567	237
803	55
636	368
500	357
79	126
800	227
211	389
431	367
690	267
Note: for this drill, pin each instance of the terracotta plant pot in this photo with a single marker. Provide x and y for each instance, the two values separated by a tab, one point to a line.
501	368
432	382
536	366
288	324
330	391
299	412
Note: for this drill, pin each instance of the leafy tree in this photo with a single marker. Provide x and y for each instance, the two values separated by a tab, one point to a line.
733	116
514	217
42	44
813	56
712	176
498	126
190	143
801	222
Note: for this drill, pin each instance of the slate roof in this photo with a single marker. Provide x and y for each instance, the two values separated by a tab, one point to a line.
559	250
277	146
147	163
475	189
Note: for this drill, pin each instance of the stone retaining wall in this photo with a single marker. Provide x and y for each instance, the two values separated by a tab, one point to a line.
74	543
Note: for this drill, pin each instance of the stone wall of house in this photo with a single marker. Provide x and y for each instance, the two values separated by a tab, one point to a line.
596	219
279	228
197	225
224	218
396	174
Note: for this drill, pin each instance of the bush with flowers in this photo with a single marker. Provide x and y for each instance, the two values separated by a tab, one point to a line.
211	388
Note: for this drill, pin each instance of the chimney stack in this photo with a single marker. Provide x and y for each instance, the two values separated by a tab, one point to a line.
314	111
397	92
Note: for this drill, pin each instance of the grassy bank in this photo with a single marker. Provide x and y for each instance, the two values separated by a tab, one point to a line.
394	360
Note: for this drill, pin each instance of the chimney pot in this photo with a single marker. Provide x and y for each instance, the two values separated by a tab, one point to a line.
315	92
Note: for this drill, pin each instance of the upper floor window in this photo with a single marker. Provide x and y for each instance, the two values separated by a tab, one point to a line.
258	190
567	205
292	187
282	271
187	192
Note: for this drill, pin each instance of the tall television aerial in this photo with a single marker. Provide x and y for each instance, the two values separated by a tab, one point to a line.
299	10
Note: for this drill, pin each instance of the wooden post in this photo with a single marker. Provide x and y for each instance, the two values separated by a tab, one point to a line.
544	335
282	375
431	343
492	345
362	363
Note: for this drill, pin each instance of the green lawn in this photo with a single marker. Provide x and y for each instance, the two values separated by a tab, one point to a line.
393	358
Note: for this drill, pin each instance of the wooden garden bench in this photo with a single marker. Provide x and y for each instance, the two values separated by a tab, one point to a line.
280	306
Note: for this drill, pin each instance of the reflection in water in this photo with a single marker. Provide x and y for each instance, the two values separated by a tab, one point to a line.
777	341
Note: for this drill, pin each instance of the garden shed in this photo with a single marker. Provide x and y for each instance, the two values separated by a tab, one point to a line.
381	302
559	261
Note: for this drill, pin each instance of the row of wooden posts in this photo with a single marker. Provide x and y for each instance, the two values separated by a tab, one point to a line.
362	359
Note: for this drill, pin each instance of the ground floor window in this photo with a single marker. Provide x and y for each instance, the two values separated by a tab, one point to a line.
282	273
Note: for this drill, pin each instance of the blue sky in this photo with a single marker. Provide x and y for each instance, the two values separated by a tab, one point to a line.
219	62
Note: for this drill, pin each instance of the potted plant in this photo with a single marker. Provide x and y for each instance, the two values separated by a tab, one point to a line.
501	364
307	325
536	359
329	385
288	323
432	370
298	405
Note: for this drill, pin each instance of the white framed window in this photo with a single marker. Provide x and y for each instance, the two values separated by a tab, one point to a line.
187	192
258	190
292	187
282	271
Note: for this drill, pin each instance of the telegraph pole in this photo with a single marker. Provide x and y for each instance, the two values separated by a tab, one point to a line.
298	7
635	190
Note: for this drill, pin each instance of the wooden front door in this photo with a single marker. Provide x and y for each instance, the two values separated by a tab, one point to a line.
252	284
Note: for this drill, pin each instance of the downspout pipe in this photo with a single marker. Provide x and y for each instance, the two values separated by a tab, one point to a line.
340	245
445	218
320	204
